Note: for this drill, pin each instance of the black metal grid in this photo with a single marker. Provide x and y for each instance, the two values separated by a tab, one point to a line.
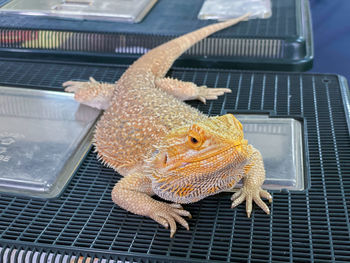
283	41
309	226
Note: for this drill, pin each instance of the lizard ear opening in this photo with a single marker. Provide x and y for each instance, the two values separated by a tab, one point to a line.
161	160
165	159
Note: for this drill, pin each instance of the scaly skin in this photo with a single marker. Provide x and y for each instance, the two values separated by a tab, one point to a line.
165	147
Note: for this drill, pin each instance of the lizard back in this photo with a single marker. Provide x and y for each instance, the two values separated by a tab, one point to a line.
138	118
140	114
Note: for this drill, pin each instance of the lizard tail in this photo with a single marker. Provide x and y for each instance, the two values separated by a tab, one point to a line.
160	59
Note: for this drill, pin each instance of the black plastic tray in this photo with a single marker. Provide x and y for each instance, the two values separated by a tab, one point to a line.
308	226
282	42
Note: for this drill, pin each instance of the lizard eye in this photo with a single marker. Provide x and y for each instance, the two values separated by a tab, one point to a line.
195	137
194	140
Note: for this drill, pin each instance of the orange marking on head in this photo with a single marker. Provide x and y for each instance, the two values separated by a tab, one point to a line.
207	156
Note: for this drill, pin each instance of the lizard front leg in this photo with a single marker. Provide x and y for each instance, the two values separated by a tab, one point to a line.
188	90
92	93
252	182
133	193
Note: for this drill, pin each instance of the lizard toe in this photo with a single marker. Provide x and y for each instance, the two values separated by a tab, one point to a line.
257	199
170	214
236	195
176	205
217	91
74	87
70	86
180	220
172	224
202	99
248	205
249	196
212	97
261	204
183	212
266	195
205	93
238	198
161	221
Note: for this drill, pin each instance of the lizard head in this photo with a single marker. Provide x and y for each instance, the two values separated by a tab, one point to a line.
200	159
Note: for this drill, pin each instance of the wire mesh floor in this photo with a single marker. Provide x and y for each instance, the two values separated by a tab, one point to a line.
312	225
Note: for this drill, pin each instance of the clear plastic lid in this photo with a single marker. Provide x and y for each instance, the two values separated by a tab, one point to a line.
116	10
43	137
280	142
226	9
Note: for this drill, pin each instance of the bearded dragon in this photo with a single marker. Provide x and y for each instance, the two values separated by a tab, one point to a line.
162	146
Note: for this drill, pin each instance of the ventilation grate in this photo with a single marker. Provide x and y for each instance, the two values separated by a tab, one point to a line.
129	44
309	226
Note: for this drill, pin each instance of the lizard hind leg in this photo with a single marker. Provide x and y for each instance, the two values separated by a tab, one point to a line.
92	93
189	91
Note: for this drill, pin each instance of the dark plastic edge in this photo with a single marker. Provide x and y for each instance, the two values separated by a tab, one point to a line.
345	92
304	29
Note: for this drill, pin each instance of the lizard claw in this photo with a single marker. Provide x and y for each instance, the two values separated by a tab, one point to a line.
249	196
168	214
205	93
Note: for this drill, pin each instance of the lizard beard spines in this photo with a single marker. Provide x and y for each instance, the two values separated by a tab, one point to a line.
188	184
106	162
197	187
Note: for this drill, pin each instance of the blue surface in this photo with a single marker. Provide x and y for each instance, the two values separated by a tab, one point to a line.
331	27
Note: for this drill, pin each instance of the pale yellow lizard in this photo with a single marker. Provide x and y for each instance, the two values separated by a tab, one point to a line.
165	147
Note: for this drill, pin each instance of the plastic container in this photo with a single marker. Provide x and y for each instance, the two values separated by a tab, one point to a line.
44	135
132	11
